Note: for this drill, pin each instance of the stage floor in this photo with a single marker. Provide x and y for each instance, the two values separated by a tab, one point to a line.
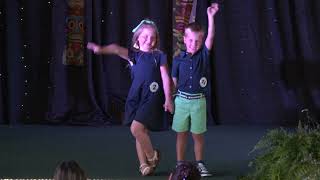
33	151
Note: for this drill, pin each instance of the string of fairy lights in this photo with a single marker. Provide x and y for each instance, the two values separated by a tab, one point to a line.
23	57
25	60
50	58
272	31
1	34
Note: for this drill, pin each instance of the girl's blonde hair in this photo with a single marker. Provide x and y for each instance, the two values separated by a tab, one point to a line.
146	23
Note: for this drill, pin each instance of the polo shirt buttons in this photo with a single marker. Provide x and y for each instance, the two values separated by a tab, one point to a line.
190	67
190	77
190	87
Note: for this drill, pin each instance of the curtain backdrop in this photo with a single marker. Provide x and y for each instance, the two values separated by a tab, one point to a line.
267	60
37	87
265	67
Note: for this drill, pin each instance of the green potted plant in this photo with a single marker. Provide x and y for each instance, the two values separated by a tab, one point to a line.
285	154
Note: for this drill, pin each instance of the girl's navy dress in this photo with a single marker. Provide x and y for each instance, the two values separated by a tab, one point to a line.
146	97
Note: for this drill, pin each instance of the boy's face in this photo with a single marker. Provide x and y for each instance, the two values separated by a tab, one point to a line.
192	40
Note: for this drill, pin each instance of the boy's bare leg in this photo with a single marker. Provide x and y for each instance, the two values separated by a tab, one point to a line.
198	140
198	151
181	145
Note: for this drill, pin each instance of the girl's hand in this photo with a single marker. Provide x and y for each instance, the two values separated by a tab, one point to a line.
168	106
213	9
94	47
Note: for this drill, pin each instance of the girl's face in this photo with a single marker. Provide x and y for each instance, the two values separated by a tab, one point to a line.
147	39
193	41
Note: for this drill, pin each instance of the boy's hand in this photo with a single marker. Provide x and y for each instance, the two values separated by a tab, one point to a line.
213	9
94	47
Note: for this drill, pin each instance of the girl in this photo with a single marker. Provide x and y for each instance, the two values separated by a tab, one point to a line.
150	75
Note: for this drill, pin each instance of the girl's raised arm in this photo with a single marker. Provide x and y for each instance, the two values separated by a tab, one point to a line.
114	49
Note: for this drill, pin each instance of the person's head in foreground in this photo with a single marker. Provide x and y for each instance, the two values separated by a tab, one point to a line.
185	171
69	170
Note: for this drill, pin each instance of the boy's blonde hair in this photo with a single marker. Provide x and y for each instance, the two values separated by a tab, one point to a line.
137	31
194	27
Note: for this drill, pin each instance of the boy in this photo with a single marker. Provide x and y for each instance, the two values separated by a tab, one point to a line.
189	74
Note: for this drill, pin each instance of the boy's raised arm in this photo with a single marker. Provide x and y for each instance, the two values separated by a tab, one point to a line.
211	11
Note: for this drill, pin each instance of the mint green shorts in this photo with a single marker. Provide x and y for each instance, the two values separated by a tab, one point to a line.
190	114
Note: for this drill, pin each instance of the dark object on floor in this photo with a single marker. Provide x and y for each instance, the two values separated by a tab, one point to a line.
308	119
185	171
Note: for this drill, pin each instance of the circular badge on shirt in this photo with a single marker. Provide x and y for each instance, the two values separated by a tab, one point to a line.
203	82
154	86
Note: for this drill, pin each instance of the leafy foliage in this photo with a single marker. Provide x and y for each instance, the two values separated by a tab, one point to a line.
287	155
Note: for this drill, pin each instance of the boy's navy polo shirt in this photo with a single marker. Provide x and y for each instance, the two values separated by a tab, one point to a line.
192	71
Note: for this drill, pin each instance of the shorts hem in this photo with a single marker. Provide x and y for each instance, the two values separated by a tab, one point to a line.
201	132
